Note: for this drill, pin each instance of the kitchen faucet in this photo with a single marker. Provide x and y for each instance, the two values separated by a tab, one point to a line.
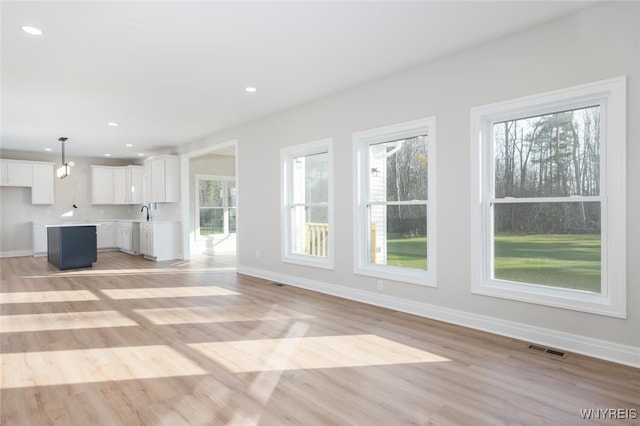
142	209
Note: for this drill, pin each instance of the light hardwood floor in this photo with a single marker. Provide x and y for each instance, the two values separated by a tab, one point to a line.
131	342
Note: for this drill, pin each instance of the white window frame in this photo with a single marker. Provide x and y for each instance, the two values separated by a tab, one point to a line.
287	157
362	172
611	96
225	208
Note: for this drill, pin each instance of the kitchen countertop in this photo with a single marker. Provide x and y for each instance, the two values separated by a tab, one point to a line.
101	222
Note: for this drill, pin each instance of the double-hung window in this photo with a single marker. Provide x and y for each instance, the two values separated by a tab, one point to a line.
394	221
215	205
307	212
548	199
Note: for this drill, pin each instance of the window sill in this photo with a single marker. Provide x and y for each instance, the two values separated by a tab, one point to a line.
311	261
576	300
398	274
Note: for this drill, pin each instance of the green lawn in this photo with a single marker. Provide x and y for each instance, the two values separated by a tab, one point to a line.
568	261
560	260
407	252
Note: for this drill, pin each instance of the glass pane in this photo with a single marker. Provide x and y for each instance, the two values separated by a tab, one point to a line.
398	236
232	220
311	179
211	221
552	155
231	194
211	193
398	170
310	230
554	244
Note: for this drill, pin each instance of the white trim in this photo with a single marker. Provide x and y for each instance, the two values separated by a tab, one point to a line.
286	156
611	95
361	142
602	349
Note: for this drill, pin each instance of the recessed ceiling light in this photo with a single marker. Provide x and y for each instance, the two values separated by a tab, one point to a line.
112	124
47	149
107	155
128	145
250	89
140	154
31	30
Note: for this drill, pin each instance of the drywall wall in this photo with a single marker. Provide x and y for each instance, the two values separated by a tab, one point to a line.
599	43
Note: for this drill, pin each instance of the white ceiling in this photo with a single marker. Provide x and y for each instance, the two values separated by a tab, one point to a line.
174	72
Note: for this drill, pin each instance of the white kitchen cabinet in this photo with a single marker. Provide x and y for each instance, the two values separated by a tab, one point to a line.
102	185
106	235
120	195
116	185
165	179
158	240
43	183
16	173
39	239
129	237
37	175
134	184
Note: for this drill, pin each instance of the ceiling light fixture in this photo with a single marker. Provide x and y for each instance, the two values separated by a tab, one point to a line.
128	145
112	124
250	89
65	169
107	155
31	30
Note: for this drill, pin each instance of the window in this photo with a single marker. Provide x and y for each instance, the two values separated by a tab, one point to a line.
215	205
395	205
307	204
548	199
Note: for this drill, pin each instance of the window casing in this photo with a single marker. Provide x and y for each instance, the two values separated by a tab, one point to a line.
394	222
548	199
307	204
215	206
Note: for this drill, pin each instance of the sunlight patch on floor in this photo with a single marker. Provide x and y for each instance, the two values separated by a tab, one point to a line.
47	296
212	314
63	321
312	353
267	380
94	365
162	292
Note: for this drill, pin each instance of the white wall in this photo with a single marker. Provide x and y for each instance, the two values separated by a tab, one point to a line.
600	43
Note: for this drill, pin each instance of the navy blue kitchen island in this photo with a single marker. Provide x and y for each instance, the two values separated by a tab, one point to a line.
72	246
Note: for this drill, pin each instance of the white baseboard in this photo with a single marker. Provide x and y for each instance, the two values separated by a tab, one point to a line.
16	253
622	354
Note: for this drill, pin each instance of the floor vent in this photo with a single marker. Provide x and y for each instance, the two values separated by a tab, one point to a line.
548	351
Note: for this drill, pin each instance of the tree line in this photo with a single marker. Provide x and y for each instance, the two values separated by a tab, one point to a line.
552	155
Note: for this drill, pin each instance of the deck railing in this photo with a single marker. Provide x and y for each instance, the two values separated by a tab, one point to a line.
317	239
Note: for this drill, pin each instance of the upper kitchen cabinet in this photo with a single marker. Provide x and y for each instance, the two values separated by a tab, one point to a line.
37	175
134	184
116	185
164	172
16	173
120	185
